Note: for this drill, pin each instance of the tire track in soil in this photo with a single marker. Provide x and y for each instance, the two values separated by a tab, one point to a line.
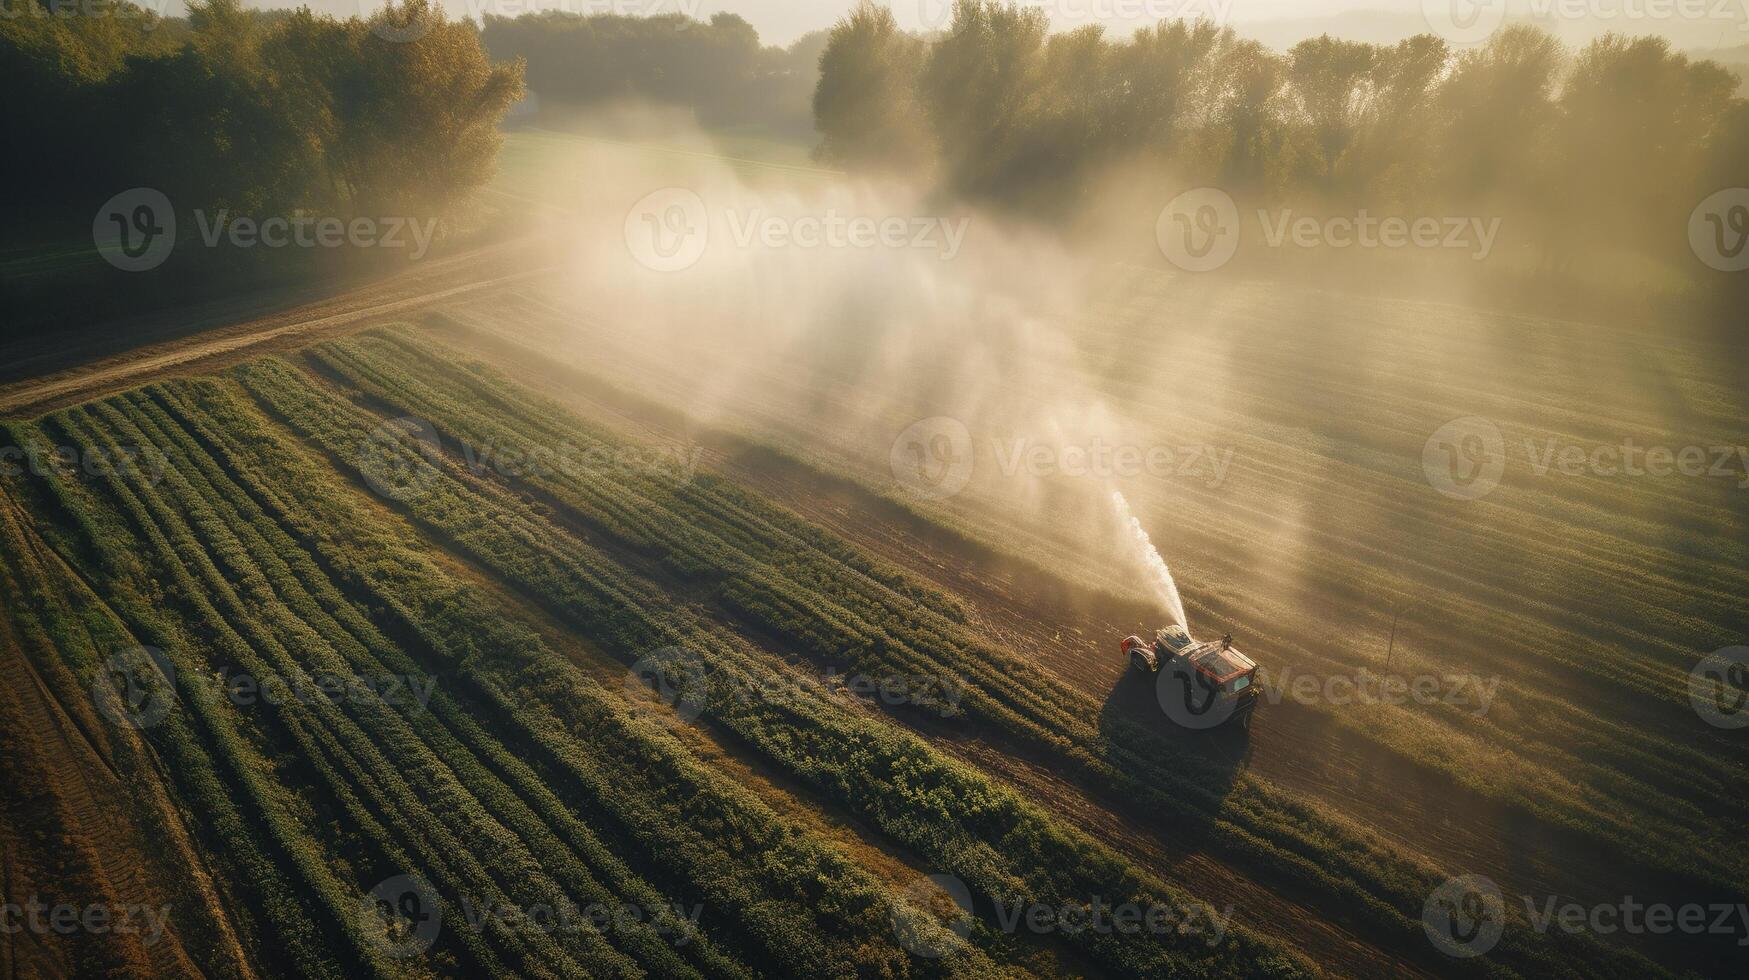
80	787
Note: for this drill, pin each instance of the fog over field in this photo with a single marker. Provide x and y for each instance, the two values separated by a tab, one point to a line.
791	490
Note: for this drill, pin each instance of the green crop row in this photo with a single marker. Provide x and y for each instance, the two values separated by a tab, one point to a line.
763	569
266	845
1002	846
789	900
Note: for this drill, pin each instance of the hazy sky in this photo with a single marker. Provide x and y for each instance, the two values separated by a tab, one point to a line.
1690	23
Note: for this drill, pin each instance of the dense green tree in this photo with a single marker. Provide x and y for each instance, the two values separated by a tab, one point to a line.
865	104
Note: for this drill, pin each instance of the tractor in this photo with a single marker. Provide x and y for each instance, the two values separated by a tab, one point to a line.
1220	683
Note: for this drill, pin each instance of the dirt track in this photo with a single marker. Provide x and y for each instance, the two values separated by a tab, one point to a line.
63	370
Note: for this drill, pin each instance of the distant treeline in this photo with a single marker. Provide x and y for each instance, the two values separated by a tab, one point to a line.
256	113
718	68
1614	144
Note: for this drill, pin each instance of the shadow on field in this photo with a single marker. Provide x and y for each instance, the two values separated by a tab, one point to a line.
1133	710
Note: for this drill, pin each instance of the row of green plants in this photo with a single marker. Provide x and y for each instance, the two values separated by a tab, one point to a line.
758	564
1580	771
408	839
226	782
953	816
512	791
56	626
783	897
453	783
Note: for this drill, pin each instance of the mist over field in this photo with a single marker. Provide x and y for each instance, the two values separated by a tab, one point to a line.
763	489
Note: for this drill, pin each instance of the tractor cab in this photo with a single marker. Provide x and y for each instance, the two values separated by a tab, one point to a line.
1224	677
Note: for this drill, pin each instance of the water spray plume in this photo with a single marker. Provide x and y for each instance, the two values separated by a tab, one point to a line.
1165	588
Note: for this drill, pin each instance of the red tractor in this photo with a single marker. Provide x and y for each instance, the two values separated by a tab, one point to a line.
1216	683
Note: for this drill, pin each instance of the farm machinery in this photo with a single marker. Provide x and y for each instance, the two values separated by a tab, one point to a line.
1205	685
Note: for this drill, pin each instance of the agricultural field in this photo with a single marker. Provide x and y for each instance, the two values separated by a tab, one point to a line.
632	686
541	613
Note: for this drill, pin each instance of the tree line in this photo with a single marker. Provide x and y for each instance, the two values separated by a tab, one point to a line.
718	68
1610	145
256	113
